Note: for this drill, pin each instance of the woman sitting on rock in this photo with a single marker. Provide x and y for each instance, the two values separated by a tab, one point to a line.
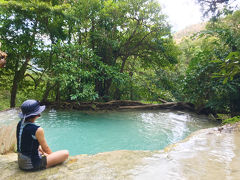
33	151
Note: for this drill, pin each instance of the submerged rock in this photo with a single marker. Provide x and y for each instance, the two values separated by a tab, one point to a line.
207	154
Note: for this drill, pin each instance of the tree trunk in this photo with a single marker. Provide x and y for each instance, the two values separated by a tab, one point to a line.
49	87
107	84
117	93
123	64
58	93
14	92
235	104
18	77
99	88
131	92
92	34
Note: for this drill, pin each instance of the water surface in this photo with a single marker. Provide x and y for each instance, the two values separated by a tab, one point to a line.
94	132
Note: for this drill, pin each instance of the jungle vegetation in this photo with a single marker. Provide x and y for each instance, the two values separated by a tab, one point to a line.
101	50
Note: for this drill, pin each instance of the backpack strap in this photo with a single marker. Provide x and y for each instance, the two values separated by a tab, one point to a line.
21	131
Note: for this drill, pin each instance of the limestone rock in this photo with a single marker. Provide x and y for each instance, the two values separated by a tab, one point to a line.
206	154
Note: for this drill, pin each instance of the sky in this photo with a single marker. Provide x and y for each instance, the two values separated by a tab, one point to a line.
181	13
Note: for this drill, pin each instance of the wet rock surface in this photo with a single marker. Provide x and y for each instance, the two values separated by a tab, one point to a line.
206	154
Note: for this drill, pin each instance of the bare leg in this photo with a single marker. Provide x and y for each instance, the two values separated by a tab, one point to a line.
57	157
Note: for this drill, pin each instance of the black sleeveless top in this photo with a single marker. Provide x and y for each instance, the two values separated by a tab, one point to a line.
27	143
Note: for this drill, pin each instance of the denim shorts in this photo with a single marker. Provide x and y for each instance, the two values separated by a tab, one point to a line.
25	163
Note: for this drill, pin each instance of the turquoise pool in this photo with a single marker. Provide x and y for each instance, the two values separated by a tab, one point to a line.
94	132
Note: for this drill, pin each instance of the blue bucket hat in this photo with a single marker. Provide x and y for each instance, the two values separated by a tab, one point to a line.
30	108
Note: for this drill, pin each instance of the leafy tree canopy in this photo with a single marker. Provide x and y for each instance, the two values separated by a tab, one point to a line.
215	8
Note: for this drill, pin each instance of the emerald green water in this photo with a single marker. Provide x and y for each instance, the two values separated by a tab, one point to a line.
94	132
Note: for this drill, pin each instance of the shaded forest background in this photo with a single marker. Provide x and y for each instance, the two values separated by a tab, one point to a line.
101	50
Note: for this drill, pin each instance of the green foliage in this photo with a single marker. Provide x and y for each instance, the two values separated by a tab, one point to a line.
100	50
216	8
148	83
4	99
76	70
230	68
124	30
231	120
24	25
227	32
212	67
150	102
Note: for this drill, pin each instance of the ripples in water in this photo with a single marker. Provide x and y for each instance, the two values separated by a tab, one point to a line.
94	132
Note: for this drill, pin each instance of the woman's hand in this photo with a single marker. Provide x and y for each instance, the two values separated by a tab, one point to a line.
41	151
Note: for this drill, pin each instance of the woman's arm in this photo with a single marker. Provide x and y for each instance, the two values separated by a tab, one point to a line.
41	151
42	141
